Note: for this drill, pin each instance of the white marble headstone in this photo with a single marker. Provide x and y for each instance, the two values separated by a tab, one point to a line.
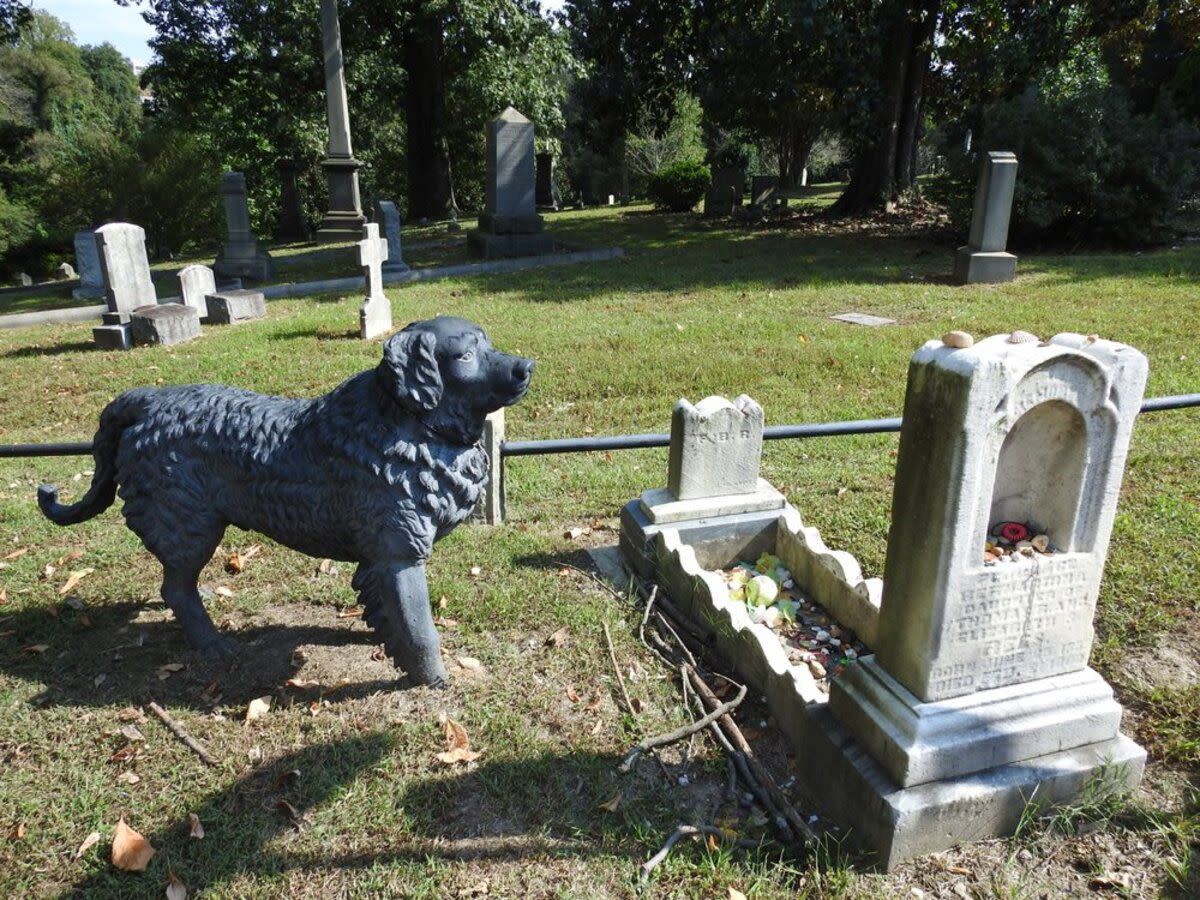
716	448
126	267
375	315
196	282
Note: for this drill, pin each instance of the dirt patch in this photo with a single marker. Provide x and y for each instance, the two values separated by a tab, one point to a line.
1173	662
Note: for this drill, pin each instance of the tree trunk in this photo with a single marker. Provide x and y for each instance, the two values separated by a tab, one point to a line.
794	146
429	195
885	165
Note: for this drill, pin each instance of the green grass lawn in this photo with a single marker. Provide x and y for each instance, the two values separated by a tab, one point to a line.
695	308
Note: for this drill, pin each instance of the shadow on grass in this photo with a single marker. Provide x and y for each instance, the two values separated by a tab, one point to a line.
105	640
38	351
531	808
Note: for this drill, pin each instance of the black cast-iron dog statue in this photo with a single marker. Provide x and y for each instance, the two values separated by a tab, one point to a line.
374	472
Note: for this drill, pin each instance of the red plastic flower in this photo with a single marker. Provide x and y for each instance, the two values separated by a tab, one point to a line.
1011	532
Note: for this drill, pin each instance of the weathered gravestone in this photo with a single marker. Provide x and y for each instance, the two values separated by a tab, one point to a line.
724	195
547	190
510	224
375	315
984	258
241	255
164	323
219	307
387	216
764	192
66	271
713	481
196	282
126	274
979	697
87	261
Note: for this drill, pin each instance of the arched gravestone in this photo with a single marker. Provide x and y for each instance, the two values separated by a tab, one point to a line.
979	692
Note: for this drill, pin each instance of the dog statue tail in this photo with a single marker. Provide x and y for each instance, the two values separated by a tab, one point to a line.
118	415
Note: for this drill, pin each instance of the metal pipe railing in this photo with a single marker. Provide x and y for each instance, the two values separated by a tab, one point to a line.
633	441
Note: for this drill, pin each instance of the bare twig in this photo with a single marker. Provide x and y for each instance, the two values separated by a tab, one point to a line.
676	836
179	732
612	655
774	797
595	578
661	740
646	614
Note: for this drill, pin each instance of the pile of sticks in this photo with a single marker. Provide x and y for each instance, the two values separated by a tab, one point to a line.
677	643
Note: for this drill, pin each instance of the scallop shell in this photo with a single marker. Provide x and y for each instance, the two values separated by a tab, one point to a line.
1023	337
959	340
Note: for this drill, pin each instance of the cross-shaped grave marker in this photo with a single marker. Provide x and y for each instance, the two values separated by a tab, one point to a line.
375	316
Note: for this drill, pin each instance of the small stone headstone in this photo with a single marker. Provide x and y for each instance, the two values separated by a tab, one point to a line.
387	216
164	323
24	280
87	261
126	269
196	282
725	192
716	448
241	255
375	315
235	306
764	191
66	271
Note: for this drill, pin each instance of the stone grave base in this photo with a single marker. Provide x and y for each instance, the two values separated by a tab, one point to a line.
112	337
890	822
374	318
978	267
232	307
486	245
244	261
710	529
918	742
166	324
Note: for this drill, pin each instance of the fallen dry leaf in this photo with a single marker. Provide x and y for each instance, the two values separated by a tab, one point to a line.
470	663
257	708
611	804
166	671
73	579
129	777
223	591
558	638
35	648
443	602
18	832
131	714
302	684
596	728
572	695
283	779
636	705
130	851
324	566
443	622
350	612
3	596
88	843
458	743
131	733
70	557
476	571
236	563
595	704
572	534
17	554
462	754
734	893
176	889
197	830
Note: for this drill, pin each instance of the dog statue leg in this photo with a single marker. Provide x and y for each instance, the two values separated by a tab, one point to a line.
395	598
180	593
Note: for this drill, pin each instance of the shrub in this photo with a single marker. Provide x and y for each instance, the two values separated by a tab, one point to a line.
679	186
1092	170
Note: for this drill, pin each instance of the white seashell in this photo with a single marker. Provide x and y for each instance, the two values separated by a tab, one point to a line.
1041	543
959	340
1023	337
1025	547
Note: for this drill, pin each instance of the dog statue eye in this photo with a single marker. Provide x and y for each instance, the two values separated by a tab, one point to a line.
467	356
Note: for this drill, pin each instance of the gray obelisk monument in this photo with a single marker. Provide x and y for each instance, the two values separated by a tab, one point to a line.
344	219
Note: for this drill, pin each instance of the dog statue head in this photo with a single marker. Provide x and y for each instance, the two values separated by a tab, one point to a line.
447	374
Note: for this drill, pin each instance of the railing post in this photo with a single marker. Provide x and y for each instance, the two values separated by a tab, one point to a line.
492	505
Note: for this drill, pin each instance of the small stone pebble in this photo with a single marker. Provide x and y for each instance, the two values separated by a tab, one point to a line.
822	635
1023	337
959	340
1041	543
1025	547
818	670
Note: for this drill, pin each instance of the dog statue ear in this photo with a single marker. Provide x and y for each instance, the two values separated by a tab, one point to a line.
410	370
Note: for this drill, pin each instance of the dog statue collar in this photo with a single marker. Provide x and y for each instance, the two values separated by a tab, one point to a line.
453	439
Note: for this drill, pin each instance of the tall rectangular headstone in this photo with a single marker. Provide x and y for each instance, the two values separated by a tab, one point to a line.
724	195
125	268
984	258
982	656
387	216
87	261
375	315
241	255
510	224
